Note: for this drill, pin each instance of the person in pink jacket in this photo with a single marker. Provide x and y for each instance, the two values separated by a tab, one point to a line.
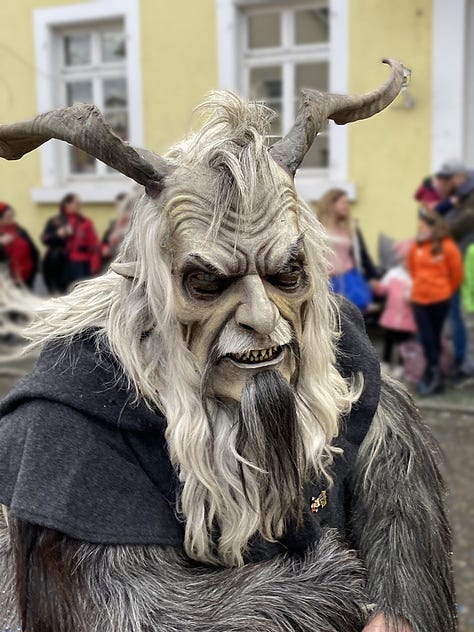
397	319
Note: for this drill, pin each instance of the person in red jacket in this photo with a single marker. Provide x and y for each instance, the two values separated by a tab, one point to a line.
435	265
73	246
17	248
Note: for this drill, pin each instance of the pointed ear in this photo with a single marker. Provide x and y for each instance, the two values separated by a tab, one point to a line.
84	127
127	270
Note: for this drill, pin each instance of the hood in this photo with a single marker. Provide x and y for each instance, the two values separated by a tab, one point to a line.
88	380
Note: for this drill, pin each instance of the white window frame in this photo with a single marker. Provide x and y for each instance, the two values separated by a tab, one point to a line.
310	183
46	23
95	73
469	97
448	81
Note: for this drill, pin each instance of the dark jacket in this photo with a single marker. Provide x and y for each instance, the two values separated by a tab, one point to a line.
79	456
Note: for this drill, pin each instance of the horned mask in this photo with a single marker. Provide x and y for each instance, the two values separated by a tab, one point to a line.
83	126
270	241
218	306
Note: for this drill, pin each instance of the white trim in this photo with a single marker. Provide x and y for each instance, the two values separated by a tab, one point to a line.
339	83
311	187
469	103
96	192
45	21
310	184
227	44
448	80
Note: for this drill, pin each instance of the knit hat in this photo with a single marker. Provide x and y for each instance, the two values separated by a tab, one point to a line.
4	207
450	168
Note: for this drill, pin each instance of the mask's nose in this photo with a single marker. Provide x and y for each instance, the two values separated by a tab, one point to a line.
256	311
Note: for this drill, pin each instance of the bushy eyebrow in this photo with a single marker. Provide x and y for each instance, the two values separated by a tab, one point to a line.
193	260
292	253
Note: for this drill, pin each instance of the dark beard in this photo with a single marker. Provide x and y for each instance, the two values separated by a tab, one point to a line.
269	437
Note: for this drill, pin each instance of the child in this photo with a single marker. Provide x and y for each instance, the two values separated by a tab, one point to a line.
397	319
435	265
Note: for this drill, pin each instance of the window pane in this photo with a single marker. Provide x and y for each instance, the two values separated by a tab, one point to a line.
311	26
80	162
264	30
119	123
115	93
314	76
79	92
113	46
266	85
275	125
77	49
318	155
115	107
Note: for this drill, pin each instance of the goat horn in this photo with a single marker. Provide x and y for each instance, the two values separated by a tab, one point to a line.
319	106
83	126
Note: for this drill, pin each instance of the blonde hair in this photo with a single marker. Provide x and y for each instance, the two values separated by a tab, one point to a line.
325	211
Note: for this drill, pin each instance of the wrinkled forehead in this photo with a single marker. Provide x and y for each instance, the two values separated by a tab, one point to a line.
206	226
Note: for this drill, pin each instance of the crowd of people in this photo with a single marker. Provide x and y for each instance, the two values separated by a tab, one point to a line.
72	248
414	296
431	276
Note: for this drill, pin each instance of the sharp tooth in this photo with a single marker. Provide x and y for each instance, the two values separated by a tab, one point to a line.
238	355
245	356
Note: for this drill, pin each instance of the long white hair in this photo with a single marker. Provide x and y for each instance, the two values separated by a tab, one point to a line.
134	314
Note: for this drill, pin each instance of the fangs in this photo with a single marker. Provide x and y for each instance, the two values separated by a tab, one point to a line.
256	355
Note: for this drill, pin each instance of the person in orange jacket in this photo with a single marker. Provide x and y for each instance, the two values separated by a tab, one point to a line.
435	264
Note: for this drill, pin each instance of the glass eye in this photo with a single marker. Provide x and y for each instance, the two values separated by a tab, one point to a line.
288	278
205	285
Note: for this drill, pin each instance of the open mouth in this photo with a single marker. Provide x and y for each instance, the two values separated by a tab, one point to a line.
256	356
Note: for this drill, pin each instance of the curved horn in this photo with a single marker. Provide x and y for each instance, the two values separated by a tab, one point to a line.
319	106
83	126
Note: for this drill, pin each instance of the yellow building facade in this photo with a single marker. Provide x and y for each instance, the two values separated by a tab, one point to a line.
148	63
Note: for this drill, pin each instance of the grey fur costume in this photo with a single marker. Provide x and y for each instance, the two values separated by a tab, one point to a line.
396	522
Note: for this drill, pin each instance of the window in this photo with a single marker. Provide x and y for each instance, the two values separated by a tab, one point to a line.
88	52
284	51
269	50
92	69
